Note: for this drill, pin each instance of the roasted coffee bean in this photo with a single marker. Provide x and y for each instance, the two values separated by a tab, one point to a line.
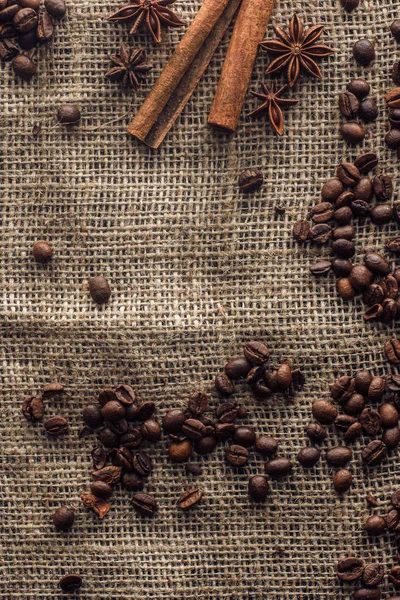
244	436
180	451
393	98
8	50
70	583
256	352
331	189
394	118
278	467
56	426
364	52
125	394
8	13
142	464
343	388
321	267
349	569
258	488
348	174
352	132
354	405
151	430
25	20
375	525
33	408
367	594
35	4
316	433
193	429
99	457
250	180
236	455
69	114
343	248
224	431
238	368
255	374
373	295
132	482
132	439
389	415
345	289
342	216
391	349
376	388
53	392
283	377
98	505
368	161
198	402
381	214
341	267
395	499
353	433
105	396
392	139
370	421
206	444
122	457
347	232
193	469
55	8
345	199
108	438
360	277
320	234
394	576
92	416
383	187
395	29
190	498
324	412
362	381
342	481
390	286
113	411
101	489
338	456
363	190
349	105
173	420
376	263
343	422
266	445
308	456
98	286
144	504
393	385
396	73
374	312
368	110
260	391
392	519
359	87
391	437
224	385
27	41
360	208
110	474
42	252
374	453
322	212
63	518
389	310
301	230
393	245
350	5
226	412
119	427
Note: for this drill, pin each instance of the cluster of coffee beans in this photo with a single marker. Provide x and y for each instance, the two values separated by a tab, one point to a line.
33	409
352	393
344	197
264	380
377	524
23	25
354	103
352	569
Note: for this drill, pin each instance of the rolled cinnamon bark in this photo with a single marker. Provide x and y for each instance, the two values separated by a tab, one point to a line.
248	32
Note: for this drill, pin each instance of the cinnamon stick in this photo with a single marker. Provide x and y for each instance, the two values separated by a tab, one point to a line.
182	73
249	31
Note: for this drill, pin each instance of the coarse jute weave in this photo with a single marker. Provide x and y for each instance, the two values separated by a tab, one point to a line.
196	269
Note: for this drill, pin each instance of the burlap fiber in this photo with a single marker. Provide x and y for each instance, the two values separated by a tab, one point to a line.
196	269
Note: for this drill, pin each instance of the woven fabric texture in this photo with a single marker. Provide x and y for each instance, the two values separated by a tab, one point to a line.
196	270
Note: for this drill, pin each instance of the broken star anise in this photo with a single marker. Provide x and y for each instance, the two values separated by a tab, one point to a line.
272	103
129	66
150	13
296	50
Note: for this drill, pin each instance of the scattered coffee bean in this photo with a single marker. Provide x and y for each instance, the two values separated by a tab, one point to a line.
173	420
70	583
45	28
392	519
375	525
367	594
190	498
308	457
360	278
266	445
349	105
101	489
370	421
278	467
25	20
244	436
376	388
393	245
68	114
236	455
393	98
301	230
316	433
345	289
321	267
381	214
42	252
394	576
339	456
383	187
132	482
180	451
110	474
364	52
193	469
237	368
392	139
374	453
256	353
64	518
151	430
56	426
226	412
395	29
363	189
341	267
258	488
346	232
331	189
368	161
389	415
250	180
394	118
144	504
99	289
320	234
342	481
92	416
206	444
224	385
33	408
350	5
352	132
368	110
113	411
354	405
391	437
392	350
324	412
224	431
350	569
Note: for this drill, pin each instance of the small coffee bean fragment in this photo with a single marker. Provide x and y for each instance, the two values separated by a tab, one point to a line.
350	569
278	467
33	408
236	455
308	456
70	583
56	426
301	230
345	289
364	52
394	576
339	456
224	385
190	498
374	312
180	451
352	132
250	180
367	594
99	289
391	349
316	433
368	110
391	437
368	161
383	187
101	489
258	488
266	445
370	421
68	114
63	518
321	267
324	412
389	415
374	453
350	5
349	104
144	504
55	8
375	525
381	214
342	481
331	189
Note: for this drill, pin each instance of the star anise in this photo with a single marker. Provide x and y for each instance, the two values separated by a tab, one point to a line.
296	50
129	66
272	103
150	13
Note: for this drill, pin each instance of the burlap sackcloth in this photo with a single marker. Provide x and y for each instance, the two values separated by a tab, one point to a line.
196	270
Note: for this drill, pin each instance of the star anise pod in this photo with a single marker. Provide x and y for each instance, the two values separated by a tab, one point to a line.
272	103
296	50
150	13
129	66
